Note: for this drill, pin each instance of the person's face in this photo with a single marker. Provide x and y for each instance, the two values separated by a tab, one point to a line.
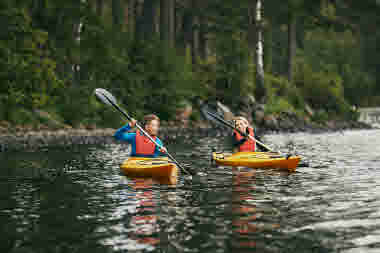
241	125
153	127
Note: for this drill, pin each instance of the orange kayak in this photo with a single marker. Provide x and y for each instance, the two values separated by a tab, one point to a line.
257	160
158	168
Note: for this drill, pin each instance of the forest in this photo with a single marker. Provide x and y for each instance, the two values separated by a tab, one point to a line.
160	55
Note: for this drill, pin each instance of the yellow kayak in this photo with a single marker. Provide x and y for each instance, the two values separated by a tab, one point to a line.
158	168
257	160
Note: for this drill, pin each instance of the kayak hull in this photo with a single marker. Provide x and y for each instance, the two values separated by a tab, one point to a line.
158	168
256	160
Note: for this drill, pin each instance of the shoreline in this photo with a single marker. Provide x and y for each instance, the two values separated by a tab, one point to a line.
32	140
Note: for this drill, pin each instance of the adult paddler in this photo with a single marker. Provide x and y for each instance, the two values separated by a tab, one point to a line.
243	143
141	145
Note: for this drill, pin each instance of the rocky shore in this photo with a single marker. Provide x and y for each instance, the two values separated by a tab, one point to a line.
29	140
182	128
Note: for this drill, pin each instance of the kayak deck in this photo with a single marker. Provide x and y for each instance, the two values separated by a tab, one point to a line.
159	168
257	160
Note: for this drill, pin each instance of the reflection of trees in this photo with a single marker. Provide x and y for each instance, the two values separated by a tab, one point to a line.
52	213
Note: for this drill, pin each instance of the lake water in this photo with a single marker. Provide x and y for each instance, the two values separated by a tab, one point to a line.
75	200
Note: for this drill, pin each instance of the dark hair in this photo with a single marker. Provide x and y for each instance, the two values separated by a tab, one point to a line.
149	118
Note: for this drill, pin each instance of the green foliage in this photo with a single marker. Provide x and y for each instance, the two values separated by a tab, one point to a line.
156	82
280	87
320	116
229	75
322	89
234	69
278	105
327	52
47	64
27	73
22	116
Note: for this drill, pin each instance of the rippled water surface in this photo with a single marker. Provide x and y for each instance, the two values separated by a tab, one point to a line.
76	200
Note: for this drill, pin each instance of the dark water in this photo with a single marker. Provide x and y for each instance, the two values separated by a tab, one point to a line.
75	200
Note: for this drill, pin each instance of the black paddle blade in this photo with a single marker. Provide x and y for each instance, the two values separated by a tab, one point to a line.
105	97
204	109
206	112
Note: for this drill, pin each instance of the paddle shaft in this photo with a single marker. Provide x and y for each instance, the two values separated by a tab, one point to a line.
145	133
244	134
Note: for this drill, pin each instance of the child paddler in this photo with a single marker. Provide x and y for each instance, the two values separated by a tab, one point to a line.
243	143
141	145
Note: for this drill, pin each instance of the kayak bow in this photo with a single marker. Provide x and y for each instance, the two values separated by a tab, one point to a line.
158	168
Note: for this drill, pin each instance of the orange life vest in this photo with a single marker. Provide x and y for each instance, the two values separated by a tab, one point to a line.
143	145
247	146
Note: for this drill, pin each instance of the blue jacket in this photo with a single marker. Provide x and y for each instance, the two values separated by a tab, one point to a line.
123	135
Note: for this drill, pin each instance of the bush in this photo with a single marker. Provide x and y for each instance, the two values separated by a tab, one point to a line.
279	86
27	73
156	82
336	60
22	116
229	75
322	89
320	116
278	105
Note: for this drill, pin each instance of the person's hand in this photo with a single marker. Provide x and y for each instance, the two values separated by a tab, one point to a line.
132	123
163	150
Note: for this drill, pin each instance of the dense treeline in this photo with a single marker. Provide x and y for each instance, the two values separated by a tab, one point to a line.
159	55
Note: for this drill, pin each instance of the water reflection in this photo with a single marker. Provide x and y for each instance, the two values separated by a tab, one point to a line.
244	212
331	206
144	222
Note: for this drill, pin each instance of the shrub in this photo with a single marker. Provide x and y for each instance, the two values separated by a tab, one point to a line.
278	105
280	88
321	89
22	116
27	73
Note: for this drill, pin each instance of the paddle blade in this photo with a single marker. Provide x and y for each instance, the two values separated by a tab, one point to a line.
105	97
208	112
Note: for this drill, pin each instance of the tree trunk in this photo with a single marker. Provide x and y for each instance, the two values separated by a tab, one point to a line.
117	15
202	37
292	44
126	15
268	48
178	24
100	8
164	20
167	22
260	85
38	10
172	23
251	36
93	6
195	41
146	23
187	29
195	33
131	18
156	19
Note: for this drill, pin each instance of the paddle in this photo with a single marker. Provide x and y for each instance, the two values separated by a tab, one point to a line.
108	99
228	124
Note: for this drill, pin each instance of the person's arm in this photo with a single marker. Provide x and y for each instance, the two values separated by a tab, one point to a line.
123	135
157	151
